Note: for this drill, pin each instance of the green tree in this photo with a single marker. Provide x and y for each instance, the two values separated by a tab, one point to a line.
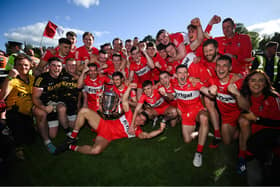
262	43
255	37
241	29
267	38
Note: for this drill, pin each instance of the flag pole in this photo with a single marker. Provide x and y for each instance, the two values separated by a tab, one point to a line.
43	35
41	40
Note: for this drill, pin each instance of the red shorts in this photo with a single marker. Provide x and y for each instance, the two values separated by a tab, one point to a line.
161	110
189	117
103	130
230	118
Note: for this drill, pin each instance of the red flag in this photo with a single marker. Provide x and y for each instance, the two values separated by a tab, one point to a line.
50	30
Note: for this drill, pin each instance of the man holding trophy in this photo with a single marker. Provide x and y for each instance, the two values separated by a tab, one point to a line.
108	130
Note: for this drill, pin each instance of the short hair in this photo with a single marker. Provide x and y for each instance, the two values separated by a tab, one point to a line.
164	72
134	48
160	32
118	74
147	83
145	114
229	20
210	41
104	45
21	57
54	59
115	40
69	59
181	66
117	55
170	44
190	26
64	41
102	51
151	44
161	47
271	44
128	40
93	65
226	58
87	33
71	33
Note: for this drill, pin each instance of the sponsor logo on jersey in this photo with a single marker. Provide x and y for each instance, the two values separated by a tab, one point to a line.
125	124
157	103
93	90
225	98
187	95
143	71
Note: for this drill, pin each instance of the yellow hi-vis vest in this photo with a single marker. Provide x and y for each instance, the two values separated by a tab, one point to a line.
262	64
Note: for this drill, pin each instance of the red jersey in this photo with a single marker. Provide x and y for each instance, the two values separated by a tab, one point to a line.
171	66
170	90
266	108
108	62
162	63
198	70
239	46
48	55
176	38
111	69
188	95
72	51
83	54
142	70
117	129
211	66
93	88
155	101
225	100
121	92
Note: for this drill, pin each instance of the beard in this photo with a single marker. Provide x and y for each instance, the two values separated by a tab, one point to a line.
211	58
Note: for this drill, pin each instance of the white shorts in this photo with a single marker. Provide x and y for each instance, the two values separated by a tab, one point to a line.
55	123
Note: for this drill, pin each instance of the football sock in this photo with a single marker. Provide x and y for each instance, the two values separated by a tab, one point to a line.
74	134
217	134
199	148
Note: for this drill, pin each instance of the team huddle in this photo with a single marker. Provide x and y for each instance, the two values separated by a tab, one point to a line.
189	80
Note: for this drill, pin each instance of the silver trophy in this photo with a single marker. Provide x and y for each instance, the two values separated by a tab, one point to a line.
110	102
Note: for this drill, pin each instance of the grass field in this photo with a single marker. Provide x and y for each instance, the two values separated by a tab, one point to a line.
164	160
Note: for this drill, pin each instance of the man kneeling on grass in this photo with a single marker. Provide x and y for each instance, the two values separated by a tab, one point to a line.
108	130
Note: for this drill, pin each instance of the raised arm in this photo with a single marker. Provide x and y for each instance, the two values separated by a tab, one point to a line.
198	41
214	20
40	68
82	77
125	97
242	102
150	61
167	96
131	76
